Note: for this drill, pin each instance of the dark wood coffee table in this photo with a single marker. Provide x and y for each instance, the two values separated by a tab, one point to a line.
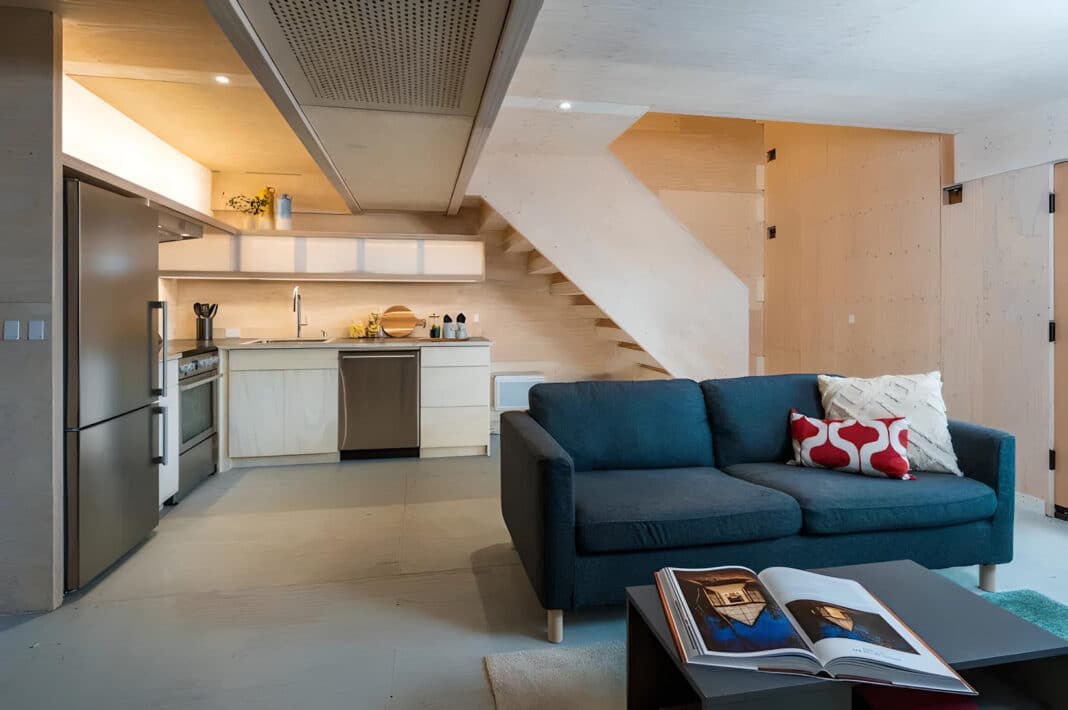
968	631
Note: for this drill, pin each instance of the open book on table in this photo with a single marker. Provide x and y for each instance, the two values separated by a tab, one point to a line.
790	621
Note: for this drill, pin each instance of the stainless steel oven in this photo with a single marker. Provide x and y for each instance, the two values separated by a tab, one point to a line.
198	389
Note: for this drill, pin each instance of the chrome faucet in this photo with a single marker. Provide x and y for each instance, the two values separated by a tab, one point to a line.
297	309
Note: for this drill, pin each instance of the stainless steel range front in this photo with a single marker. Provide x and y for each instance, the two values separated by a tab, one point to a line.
198	385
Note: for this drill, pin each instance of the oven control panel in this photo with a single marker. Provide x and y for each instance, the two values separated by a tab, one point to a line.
197	365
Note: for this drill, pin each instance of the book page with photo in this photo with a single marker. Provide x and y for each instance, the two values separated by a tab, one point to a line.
842	620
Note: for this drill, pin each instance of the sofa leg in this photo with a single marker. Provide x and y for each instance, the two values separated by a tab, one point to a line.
556	625
988	578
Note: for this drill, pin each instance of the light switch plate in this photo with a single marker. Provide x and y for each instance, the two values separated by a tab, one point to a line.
12	330
36	330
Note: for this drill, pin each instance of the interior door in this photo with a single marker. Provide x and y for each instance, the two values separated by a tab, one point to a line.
1060	349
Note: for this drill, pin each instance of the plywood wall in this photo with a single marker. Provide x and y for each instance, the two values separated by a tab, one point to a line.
853	274
708	172
870	273
996	310
31	283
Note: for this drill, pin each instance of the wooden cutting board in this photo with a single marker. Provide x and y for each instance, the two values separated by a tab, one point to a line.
398	321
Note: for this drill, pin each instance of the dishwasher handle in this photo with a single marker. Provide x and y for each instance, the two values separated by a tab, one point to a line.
379	356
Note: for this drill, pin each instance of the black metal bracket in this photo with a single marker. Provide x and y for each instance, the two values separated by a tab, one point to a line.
1053	331
1052	203
1052	460
771	232
954	194
771	155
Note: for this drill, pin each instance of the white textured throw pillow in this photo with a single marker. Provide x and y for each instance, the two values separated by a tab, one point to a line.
918	397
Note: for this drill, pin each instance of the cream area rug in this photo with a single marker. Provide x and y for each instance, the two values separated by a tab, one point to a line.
583	677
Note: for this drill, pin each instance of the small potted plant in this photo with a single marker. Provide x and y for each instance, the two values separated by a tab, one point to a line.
257	209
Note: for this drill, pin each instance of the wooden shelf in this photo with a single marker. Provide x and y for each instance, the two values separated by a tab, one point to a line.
358	235
304	276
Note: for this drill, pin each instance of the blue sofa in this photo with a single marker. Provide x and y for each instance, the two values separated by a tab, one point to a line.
602	483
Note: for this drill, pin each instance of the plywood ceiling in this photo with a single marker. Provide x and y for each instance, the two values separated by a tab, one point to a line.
226	128
155	62
912	64
171	34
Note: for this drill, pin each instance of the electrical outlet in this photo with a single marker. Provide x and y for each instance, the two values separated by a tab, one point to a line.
474	318
233	332
852	319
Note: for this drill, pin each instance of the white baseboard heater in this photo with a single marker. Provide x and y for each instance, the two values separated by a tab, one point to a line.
512	391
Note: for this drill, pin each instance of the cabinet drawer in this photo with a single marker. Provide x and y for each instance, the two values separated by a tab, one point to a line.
284	359
453	427
454	387
455	355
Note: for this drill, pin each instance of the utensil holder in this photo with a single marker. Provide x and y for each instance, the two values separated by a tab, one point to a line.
204	328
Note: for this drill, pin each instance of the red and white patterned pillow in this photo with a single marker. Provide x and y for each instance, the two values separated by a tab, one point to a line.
874	447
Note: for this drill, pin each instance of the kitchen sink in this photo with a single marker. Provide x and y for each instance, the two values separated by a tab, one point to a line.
271	341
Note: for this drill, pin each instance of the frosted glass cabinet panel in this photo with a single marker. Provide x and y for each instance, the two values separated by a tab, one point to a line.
332	255
452	258
391	256
268	254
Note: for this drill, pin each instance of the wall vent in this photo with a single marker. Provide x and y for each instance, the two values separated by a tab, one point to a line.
382	52
513	391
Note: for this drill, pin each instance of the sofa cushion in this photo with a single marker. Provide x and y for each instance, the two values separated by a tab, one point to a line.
628	510
614	425
833	502
750	416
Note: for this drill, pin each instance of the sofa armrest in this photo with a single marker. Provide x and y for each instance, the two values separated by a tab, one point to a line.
538	505
985	454
989	456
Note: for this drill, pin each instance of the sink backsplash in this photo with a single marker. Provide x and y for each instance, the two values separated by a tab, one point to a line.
263	309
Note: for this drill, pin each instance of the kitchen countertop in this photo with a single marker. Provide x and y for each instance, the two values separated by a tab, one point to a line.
347	343
181	348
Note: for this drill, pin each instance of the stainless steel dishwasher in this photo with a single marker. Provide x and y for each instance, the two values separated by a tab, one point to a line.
378	407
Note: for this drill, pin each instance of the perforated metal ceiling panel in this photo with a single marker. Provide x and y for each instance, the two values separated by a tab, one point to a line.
427	56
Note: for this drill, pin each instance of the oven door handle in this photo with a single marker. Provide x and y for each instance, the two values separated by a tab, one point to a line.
199	380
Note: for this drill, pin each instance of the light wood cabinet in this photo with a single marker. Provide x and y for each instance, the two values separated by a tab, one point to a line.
454	387
282	412
454	427
257	413
311	408
454	414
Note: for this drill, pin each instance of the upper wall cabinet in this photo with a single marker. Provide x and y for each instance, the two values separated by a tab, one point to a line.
331	257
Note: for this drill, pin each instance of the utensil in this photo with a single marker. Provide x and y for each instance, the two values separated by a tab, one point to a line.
398	321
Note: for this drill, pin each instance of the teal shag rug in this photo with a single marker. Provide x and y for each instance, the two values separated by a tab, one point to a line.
1037	608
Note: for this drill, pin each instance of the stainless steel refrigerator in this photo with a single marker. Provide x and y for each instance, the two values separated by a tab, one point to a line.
113	377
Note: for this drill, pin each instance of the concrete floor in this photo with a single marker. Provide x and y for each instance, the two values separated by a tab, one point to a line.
355	585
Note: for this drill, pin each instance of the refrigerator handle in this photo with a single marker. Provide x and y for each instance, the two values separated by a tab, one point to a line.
154	362
161	458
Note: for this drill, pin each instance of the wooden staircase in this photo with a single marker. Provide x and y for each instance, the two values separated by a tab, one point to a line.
560	285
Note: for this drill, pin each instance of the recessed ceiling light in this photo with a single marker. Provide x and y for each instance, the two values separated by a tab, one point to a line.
565	105
222	79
